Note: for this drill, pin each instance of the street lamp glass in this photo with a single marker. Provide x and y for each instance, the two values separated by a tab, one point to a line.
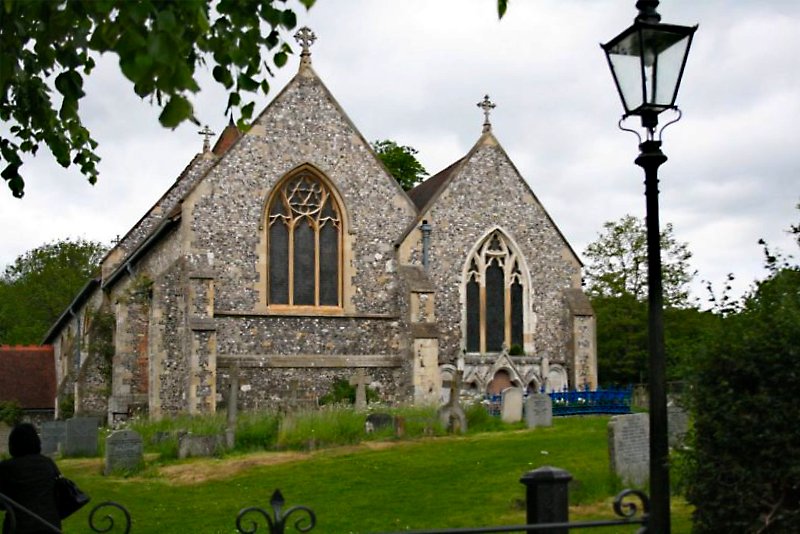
647	62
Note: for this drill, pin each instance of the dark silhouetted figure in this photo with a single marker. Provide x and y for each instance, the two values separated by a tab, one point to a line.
29	478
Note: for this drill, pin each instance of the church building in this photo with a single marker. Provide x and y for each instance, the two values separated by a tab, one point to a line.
290	256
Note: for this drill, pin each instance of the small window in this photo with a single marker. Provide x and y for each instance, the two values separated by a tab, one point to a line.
304	237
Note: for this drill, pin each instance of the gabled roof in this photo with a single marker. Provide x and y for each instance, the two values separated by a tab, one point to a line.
430	192
28	376
425	191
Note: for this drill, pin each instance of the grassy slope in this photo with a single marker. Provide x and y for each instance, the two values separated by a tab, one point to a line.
433	483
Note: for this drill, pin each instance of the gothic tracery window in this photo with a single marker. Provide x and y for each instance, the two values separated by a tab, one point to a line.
494	296
304	236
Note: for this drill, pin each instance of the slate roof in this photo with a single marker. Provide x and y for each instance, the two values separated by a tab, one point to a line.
28	376
425	191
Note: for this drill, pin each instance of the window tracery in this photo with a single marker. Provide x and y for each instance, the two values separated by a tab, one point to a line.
495	290
304	235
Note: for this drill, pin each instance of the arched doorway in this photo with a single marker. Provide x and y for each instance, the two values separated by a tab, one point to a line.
501	381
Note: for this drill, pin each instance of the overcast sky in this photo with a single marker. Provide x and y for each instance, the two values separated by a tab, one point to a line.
413	71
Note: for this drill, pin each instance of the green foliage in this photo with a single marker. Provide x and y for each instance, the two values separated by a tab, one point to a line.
159	45
10	412
66	406
343	393
401	162
334	425
516	350
742	467
36	289
618	263
100	332
622	339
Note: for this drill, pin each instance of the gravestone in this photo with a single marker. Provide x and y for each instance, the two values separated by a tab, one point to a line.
452	415
5	430
54	433
81	437
190	446
360	381
399	426
511	405
123	451
233	406
677	425
378	421
539	410
629	447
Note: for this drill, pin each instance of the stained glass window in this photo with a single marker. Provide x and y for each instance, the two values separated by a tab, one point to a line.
495	291
304	235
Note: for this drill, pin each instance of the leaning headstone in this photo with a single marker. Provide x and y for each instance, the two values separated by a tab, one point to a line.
123	451
81	438
539	410
511	405
190	446
5	430
378	421
629	447
54	433
677	425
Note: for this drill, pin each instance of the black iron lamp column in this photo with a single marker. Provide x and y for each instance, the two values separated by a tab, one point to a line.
647	61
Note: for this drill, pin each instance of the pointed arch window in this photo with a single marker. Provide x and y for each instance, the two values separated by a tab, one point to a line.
304	244
494	296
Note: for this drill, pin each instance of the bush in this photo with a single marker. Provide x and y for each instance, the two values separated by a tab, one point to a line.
344	393
742	467
10	412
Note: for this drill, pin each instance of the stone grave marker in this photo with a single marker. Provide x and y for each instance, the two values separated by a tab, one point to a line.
54	433
360	381
677	425
5	430
81	437
123	451
452	415
539	410
511	405
378	421
190	446
629	447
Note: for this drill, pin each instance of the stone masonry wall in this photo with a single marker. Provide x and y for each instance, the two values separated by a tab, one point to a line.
302	126
487	193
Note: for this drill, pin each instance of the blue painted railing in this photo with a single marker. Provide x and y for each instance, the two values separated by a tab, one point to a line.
601	401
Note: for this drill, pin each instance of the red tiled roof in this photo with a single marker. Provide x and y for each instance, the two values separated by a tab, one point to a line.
28	376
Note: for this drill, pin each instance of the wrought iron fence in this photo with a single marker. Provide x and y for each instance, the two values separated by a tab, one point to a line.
587	402
101	519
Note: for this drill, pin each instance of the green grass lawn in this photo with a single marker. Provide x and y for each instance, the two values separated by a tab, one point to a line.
444	482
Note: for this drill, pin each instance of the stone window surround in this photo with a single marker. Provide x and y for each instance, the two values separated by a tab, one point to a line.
345	252
525	279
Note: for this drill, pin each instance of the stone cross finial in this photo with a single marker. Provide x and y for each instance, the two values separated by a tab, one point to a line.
487	106
305	37
206	133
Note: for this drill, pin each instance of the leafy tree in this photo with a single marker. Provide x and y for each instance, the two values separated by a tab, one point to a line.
618	262
742	467
159	45
401	162
36	289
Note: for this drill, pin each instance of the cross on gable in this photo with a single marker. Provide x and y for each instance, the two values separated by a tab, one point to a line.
206	133
487	106
305	37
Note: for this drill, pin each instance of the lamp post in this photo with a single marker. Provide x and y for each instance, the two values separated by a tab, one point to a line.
647	61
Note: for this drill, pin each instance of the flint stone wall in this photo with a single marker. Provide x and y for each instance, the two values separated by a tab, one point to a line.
488	193
302	126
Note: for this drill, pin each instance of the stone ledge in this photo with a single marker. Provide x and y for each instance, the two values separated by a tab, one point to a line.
425	330
206	274
202	324
309	360
290	313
